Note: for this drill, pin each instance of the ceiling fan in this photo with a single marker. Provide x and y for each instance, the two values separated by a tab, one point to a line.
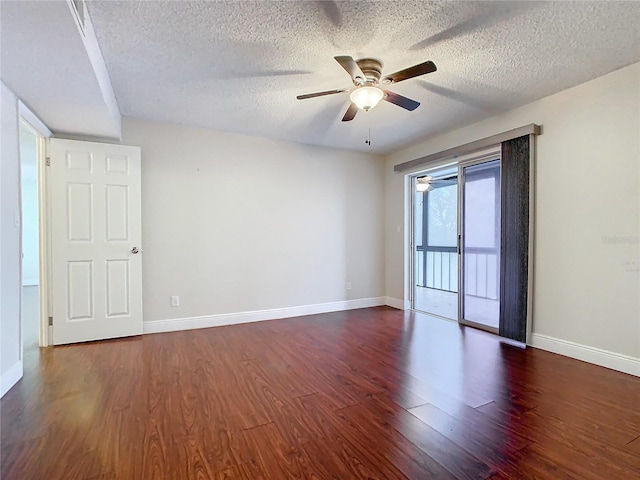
427	182
366	75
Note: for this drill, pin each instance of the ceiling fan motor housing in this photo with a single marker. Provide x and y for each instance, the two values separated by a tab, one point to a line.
371	68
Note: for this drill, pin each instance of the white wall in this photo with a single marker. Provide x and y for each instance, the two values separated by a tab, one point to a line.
10	349
29	183
587	265
234	223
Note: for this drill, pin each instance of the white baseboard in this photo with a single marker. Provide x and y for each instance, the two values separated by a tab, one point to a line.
397	303
190	323
10	377
604	358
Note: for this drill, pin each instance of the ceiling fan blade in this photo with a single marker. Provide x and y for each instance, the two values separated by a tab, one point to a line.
415	71
352	68
350	113
320	94
401	101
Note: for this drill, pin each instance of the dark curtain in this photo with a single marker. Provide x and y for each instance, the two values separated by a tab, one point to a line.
514	236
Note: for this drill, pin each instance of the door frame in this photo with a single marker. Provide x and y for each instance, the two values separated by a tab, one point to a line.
27	118
495	155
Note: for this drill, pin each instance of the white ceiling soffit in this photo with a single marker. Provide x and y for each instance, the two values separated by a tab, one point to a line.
59	74
238	66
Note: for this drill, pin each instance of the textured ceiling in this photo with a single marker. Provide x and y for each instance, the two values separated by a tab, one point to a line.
49	70
238	66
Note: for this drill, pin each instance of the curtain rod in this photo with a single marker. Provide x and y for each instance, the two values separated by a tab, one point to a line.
531	129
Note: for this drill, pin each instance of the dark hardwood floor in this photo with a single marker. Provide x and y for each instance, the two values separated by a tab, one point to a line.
367	394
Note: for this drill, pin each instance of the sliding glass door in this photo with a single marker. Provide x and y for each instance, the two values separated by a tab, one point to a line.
479	232
456	243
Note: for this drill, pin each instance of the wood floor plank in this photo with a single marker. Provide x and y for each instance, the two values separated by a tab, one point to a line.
315	374
497	476
236	472
412	460
572	425
269	452
471	419
578	445
634	446
527	464
372	393
347	445
490	445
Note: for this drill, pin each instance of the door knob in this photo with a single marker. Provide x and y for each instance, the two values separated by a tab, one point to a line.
134	250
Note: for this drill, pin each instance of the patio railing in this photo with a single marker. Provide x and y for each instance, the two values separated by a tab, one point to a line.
437	267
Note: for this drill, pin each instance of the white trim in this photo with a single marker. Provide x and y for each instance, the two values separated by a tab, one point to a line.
44	254
29	120
206	321
597	356
42	132
397	303
32	120
10	377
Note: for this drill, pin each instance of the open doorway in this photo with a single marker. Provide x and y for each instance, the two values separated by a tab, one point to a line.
435	285
30	145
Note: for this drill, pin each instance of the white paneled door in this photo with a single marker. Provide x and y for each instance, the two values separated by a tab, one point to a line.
96	254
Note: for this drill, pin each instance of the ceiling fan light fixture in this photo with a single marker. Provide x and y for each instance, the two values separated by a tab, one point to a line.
366	97
423	184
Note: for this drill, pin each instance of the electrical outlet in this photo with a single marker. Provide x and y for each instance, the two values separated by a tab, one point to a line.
348	285
175	300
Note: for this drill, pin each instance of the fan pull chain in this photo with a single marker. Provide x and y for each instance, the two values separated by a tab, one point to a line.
368	140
